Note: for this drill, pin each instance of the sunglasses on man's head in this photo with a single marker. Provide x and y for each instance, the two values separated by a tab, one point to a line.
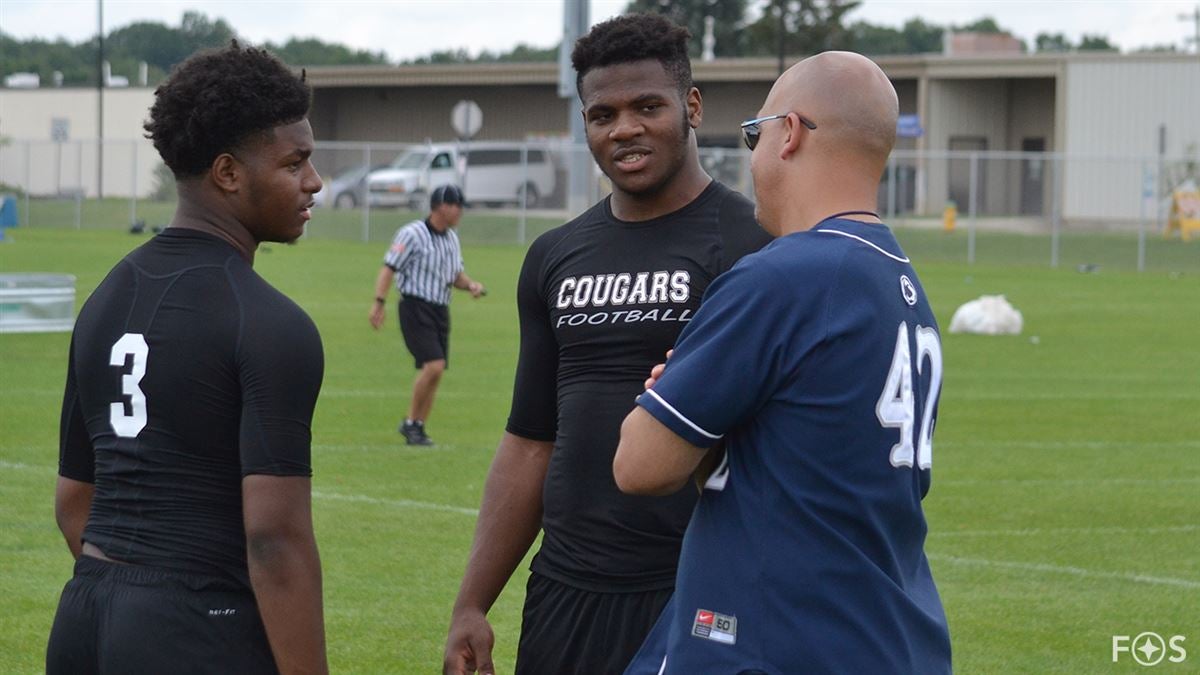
750	128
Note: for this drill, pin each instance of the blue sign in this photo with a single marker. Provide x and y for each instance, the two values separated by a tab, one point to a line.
8	213
909	126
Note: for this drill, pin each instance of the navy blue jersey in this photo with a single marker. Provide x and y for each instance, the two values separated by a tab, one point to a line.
818	361
187	372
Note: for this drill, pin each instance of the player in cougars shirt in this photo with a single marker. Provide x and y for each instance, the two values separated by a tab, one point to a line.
600	300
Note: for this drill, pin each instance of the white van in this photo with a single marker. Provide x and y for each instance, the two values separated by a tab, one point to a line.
488	172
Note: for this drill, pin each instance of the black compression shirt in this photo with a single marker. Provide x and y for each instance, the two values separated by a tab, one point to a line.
187	372
600	302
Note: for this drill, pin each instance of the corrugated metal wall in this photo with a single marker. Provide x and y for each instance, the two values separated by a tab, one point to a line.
1111	106
511	112
1114	108
415	114
25	115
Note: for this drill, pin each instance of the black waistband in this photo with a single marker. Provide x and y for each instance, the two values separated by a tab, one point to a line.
141	575
405	297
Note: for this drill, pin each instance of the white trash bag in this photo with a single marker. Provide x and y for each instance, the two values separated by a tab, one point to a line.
987	315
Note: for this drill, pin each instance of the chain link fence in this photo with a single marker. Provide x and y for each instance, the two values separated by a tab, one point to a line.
986	207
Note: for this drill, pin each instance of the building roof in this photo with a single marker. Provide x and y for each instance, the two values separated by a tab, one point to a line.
967	66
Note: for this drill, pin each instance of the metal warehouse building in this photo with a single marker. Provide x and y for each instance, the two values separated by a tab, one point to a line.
1101	112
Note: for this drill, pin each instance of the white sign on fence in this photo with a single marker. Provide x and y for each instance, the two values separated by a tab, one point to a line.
466	118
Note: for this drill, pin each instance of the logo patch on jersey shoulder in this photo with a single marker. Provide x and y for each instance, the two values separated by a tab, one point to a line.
398	247
716	627
908	290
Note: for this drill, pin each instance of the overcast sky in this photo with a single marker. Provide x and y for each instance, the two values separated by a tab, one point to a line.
409	28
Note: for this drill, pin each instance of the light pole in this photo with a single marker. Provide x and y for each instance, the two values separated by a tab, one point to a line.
579	164
782	33
99	100
1194	17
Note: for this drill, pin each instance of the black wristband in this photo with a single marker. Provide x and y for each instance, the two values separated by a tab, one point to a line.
380	299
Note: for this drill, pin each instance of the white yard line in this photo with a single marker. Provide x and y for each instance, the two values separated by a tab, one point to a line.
398	503
954	560
318	494
396	446
399	393
1059	396
1042	482
1064	445
1038	531
17	466
1063	569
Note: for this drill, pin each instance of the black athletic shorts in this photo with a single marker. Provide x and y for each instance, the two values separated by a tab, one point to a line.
426	329
570	631
116	618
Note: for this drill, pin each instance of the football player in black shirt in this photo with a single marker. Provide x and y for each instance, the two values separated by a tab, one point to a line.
600	300
184	462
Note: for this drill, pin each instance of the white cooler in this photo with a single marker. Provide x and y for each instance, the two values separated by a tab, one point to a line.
37	303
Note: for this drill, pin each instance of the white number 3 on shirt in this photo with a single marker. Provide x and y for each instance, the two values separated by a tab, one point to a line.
895	408
129	426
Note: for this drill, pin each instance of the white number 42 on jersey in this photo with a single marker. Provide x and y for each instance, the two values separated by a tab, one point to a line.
896	408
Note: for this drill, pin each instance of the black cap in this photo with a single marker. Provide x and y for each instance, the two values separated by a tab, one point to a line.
446	194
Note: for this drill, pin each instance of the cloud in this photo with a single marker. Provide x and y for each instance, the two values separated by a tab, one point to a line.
408	28
1129	24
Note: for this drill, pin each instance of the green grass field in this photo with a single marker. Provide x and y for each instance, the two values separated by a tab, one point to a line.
486	227
1064	506
1107	251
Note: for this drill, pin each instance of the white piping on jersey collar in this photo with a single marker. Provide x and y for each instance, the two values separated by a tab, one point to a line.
855	236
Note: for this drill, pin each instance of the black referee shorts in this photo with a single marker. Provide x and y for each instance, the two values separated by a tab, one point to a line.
115	618
570	631
426	329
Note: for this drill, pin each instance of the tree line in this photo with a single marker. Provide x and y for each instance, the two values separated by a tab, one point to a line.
790	27
160	47
796	27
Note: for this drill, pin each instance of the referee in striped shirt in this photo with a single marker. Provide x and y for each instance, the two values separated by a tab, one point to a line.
425	260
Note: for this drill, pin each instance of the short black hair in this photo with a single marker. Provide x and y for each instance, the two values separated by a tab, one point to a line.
218	99
446	194
635	37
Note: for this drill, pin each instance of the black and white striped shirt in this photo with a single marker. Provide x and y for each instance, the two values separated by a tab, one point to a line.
426	262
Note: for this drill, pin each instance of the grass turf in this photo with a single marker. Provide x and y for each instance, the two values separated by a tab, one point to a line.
1066	468
1097	250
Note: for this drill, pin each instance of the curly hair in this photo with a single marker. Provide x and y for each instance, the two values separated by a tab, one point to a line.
635	37
217	100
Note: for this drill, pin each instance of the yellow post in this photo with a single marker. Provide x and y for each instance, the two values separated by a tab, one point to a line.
949	215
1185	213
